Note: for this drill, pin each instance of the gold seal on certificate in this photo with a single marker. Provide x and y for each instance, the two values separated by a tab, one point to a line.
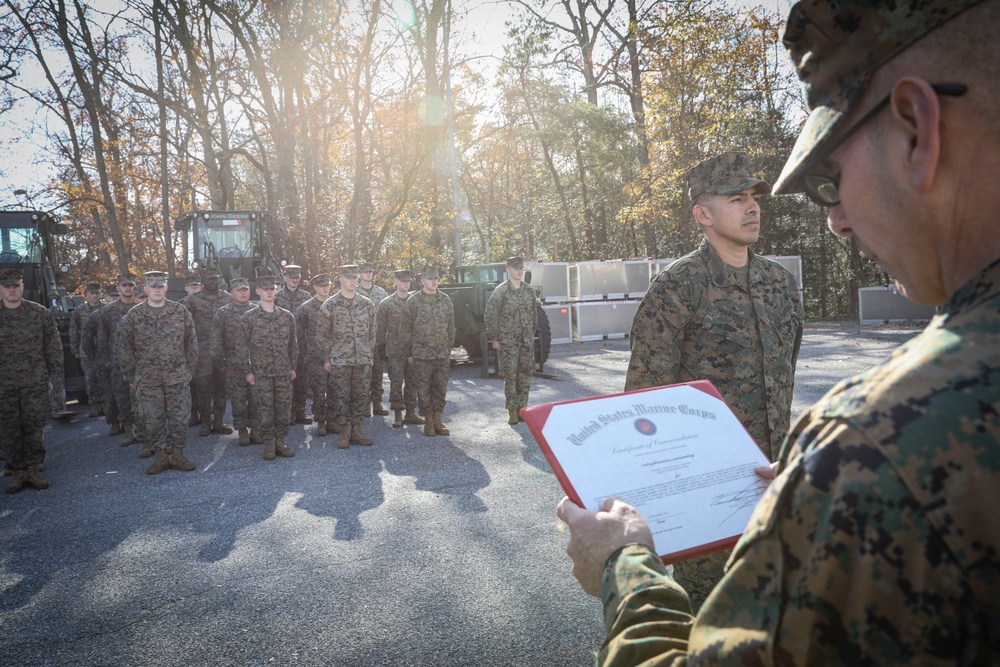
677	454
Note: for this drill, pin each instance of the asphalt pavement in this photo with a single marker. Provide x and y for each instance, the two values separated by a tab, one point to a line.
415	551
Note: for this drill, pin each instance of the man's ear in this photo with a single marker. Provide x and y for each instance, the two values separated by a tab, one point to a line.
916	110
702	215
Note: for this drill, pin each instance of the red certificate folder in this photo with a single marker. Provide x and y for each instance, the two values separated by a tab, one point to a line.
537	416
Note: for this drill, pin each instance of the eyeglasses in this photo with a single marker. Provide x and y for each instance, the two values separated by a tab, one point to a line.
824	189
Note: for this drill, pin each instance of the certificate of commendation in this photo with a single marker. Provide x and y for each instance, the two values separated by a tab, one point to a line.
677	454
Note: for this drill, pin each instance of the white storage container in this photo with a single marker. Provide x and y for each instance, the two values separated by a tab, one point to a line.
605	319
597	280
551	279
887	304
560	322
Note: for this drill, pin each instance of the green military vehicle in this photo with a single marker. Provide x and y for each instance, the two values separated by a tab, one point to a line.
232	241
469	293
27	242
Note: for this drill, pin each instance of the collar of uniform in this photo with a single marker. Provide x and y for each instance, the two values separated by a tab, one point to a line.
982	286
723	275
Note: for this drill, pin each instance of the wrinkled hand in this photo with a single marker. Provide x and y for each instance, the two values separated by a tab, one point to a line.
594	536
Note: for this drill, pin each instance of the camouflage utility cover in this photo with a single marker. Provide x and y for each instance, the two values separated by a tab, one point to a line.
725	174
877	543
158	349
430	325
698	321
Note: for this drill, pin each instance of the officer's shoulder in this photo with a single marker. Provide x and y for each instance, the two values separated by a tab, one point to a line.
682	270
774	269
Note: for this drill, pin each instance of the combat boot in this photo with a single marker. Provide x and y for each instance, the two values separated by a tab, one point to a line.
512	417
179	462
439	427
35	480
255	438
219	427
397	422
412	417
130	437
206	426
244	437
194	420
145	452
429	426
159	465
377	409
18	478
359	438
332	426
320	428
116	428
281	450
301	418
269	450
344	441
95	410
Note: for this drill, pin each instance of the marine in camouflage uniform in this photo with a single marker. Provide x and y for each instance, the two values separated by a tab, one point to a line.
192	285
84	350
227	345
350	341
290	297
268	362
210	381
390	346
430	337
375	294
159	350
119	402
310	326
32	359
511	317
739	327
875	543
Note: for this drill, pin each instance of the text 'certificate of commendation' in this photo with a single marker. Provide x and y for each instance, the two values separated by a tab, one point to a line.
677	454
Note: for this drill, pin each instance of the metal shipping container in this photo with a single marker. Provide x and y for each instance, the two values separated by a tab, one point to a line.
552	279
560	322
605	319
597	280
887	304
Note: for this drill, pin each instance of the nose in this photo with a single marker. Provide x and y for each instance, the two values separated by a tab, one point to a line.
837	221
754	206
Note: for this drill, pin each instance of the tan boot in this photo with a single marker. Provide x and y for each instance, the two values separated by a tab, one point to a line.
344	441
359	438
244	437
429	425
116	428
179	462
206	426
219	427
18	479
255	438
440	428
269	453
332	426
300	417
320	429
281	450
35	480
145	452
195	419
412	417
130	438
512	416
377	409
397	422
159	465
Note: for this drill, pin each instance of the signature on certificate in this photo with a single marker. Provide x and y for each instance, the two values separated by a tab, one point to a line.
738	500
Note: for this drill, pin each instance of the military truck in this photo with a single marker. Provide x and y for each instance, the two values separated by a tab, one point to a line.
27	242
469	293
232	241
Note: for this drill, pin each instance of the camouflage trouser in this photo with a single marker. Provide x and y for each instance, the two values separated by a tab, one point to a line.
347	393
402	387
238	392
516	364
210	391
164	412
92	373
23	411
700	575
121	409
431	378
272	400
300	386
378	370
110	403
317	385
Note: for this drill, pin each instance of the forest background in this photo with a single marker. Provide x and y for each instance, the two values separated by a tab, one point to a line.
374	129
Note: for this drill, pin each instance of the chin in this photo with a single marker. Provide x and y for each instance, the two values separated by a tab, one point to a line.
922	297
